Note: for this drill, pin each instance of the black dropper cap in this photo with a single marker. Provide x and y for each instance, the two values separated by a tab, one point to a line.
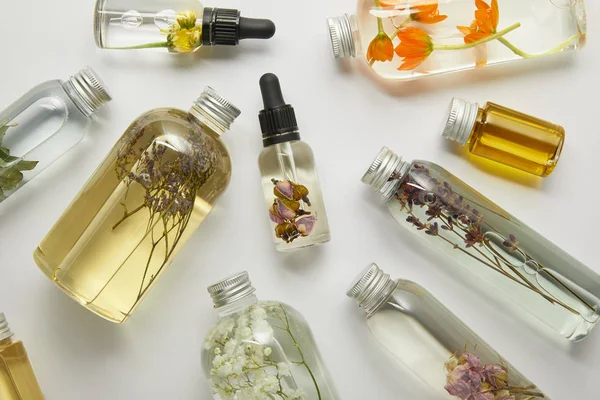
224	26
277	120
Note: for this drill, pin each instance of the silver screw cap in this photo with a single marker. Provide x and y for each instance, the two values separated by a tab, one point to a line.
371	288
91	90
232	289
385	166
214	110
460	121
342	40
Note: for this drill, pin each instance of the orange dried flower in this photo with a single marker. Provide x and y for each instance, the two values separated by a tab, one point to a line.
415	46
427	14
381	48
485	23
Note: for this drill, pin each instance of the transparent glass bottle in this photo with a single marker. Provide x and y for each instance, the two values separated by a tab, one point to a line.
289	175
153	190
519	263
178	26
433	343
261	349
17	379
506	136
407	39
44	124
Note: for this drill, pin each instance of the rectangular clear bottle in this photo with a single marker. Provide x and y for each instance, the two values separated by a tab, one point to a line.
402	41
426	337
487	242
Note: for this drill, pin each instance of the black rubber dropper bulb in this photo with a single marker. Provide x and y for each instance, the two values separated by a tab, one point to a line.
225	27
278	119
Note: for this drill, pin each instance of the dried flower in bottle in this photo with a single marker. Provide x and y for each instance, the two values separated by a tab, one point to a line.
11	167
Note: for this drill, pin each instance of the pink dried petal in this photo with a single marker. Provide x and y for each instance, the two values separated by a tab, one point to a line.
306	225
274	216
286	189
472	360
460	389
284	211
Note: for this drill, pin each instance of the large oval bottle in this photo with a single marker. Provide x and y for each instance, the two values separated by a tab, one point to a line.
261	349
140	207
408	39
519	263
434	344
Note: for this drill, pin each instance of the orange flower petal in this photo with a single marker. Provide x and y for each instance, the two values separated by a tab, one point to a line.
380	49
411	63
427	14
495	14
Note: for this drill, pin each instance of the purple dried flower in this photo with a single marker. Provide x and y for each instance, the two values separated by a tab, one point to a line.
285	189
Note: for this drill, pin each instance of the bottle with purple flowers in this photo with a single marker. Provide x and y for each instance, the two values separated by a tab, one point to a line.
153	190
427	338
289	175
488	242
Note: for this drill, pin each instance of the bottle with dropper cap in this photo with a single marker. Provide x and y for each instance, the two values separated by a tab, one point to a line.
17	378
179	26
433	343
261	349
289	175
153	190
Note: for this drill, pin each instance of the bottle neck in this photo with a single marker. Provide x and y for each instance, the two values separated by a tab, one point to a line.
5	333
386	173
343	32
461	121
236	306
87	91
214	111
372	289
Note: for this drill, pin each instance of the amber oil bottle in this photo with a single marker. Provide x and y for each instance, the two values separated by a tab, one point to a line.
505	136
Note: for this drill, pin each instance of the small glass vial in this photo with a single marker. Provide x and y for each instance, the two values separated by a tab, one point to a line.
17	379
434	344
289	175
405	39
506	136
486	241
261	349
178	26
44	124
140	207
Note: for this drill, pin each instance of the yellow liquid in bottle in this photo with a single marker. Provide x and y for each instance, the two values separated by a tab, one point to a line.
17	379
516	139
109	247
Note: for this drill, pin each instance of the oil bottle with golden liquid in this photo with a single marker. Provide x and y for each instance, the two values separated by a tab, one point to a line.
154	189
506	136
17	379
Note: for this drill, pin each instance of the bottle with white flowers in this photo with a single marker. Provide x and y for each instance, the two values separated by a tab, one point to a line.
261	349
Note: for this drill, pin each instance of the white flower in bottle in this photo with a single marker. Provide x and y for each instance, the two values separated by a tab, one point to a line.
284	369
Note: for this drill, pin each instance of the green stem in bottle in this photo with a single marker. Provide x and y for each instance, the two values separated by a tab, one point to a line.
495	36
142	46
554	50
379	21
399	28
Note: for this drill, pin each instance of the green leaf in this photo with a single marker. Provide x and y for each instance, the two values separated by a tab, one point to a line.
24	165
10	178
5	157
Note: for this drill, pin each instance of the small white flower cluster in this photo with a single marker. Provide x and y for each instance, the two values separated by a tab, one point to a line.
242	367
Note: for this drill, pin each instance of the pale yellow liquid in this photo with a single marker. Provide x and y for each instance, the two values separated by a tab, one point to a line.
108	263
17	379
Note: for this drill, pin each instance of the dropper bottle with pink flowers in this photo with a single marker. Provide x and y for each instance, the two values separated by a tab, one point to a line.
408	39
289	175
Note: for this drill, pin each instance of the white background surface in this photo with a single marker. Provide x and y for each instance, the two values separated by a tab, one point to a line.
346	116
